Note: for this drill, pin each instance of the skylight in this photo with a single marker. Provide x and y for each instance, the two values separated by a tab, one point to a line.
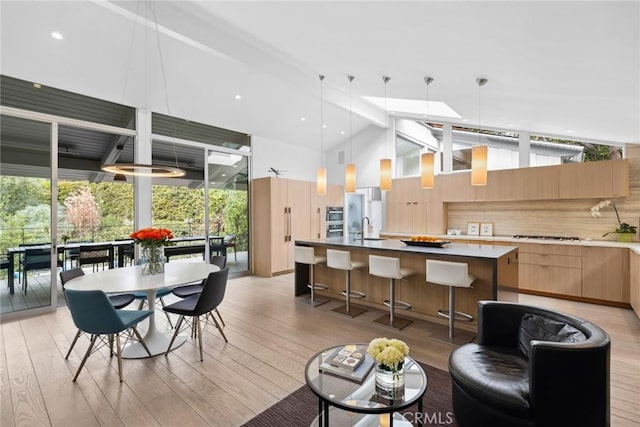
414	107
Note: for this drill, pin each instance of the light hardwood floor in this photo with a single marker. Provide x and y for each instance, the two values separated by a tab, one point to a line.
271	336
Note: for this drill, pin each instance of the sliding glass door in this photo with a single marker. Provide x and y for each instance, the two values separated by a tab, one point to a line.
228	204
25	215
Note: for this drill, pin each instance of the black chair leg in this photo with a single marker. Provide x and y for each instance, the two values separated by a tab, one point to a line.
197	320
86	356
166	313
173	338
216	310
140	340
220	329
119	354
75	339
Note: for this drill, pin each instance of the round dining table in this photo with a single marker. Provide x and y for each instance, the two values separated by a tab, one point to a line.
131	279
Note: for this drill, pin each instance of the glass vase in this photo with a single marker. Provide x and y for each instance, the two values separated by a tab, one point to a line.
389	379
152	259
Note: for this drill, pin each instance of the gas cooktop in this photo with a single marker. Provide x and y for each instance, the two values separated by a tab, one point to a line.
525	236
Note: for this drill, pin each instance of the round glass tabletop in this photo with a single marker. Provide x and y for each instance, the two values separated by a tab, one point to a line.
348	393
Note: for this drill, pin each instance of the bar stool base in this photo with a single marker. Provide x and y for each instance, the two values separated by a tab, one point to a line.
398	305
316	300
459	315
353	310
398	322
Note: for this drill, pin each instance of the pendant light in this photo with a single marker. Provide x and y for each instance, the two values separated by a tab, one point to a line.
350	169
122	170
427	160
321	176
385	164
479	152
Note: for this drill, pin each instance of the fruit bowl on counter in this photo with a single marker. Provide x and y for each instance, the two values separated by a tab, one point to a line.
426	241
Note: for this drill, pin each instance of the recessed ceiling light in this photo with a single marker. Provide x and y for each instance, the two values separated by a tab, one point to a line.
465	120
37	85
235	166
569	130
324	126
510	125
238	97
56	35
302	119
224	174
341	132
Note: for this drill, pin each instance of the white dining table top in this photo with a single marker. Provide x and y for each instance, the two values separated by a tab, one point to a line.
130	279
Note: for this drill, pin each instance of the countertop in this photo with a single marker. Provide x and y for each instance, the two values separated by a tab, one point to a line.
634	246
451	249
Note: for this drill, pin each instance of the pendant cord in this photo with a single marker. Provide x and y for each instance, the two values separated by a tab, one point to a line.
386	119
351	118
130	53
164	74
321	121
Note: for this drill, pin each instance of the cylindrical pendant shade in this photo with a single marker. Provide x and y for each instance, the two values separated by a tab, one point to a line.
350	178
426	170
479	165
385	174
321	181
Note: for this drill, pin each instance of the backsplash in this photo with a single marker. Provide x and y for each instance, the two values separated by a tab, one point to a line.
557	217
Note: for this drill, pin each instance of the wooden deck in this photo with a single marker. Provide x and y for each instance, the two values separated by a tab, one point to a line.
271	337
39	286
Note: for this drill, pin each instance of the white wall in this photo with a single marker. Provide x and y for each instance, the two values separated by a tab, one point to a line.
297	162
368	149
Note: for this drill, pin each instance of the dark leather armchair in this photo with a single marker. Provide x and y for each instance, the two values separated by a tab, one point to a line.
559	384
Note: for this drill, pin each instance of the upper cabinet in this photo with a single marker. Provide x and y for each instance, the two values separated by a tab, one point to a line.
609	178
406	207
594	179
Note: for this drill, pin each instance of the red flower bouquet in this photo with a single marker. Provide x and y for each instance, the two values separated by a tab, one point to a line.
152	236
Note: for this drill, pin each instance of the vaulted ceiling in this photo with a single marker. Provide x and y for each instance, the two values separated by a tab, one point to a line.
555	68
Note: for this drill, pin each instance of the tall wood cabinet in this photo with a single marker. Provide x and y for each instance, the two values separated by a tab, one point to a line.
281	209
406	207
284	210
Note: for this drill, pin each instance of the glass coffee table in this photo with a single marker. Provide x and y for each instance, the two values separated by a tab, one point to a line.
364	403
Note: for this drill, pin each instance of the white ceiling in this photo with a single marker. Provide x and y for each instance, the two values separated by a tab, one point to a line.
552	66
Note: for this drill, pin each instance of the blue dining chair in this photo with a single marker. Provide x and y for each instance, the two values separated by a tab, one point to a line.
93	313
117	301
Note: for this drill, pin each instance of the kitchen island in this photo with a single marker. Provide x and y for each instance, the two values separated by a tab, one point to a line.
493	266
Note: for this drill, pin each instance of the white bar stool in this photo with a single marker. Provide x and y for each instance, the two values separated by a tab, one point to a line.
341	260
454	275
389	268
306	255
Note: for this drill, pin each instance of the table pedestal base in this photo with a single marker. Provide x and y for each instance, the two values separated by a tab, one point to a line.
157	344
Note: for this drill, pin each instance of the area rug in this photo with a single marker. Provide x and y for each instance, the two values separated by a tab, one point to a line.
300	408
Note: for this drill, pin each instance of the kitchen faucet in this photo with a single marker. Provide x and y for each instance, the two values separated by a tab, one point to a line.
362	227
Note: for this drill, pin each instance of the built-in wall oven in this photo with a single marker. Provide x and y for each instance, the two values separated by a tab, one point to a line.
335	221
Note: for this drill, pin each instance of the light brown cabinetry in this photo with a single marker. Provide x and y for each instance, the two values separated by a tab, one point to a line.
281	211
538	183
550	268
634	281
605	273
501	185
594	179
406	207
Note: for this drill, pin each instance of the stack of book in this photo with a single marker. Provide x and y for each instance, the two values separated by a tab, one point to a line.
348	362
